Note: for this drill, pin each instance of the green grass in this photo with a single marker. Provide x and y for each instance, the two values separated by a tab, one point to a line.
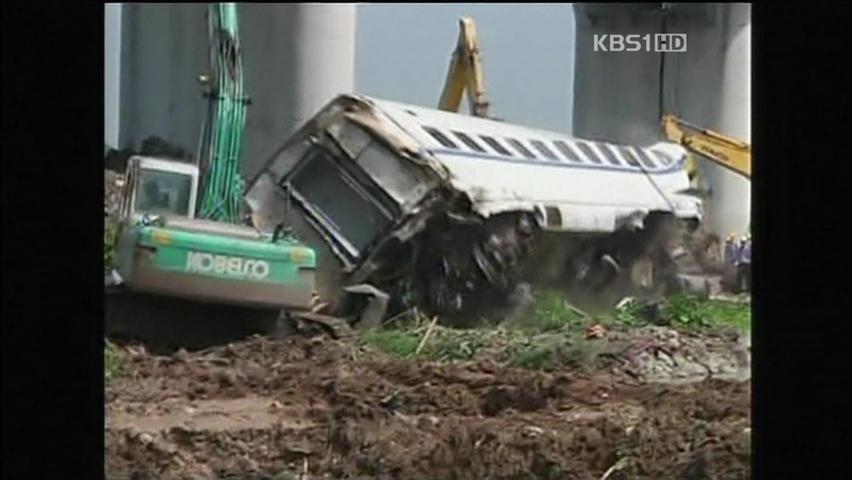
549	351
112	362
535	358
110	239
444	343
728	313
553	333
401	343
685	312
550	312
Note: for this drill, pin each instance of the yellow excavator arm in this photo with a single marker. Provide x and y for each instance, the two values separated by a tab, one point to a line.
465	73
721	149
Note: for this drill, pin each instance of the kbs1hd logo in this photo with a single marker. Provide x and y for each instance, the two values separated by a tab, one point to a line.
658	42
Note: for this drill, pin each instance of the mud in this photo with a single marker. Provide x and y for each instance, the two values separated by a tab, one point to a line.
321	408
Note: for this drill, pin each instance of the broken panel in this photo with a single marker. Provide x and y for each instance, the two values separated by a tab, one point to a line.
404	181
338	199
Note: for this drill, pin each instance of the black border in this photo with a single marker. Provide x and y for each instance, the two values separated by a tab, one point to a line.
52	328
52	333
800	350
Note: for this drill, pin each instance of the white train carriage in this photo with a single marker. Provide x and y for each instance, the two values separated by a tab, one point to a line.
504	167
447	206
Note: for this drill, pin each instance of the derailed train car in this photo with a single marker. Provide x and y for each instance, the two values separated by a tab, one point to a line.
452	213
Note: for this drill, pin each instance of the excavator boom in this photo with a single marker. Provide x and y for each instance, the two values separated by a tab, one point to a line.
721	149
465	74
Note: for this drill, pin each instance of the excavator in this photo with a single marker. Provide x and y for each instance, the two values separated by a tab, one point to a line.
465	74
187	272
734	155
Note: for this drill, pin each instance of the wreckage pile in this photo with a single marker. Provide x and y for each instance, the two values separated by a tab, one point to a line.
324	408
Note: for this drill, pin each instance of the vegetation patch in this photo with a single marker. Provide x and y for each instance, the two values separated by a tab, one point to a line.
110	240
684	312
550	311
112	361
398	342
554	333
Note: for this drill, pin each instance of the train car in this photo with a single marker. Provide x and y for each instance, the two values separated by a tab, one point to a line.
453	213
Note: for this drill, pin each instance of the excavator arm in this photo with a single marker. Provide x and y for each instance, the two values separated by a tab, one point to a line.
465	74
721	149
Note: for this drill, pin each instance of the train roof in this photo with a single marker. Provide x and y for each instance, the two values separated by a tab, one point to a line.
504	166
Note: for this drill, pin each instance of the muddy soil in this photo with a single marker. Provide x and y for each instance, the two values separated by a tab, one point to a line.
323	408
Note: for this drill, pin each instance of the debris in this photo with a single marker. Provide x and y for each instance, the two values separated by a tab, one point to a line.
624	302
145	438
136	350
227	377
592	437
336	327
619	465
390	401
411	312
299	449
426	336
377	303
576	310
113	279
595	331
181	355
318	306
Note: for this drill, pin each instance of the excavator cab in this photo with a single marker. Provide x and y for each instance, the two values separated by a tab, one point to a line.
159	187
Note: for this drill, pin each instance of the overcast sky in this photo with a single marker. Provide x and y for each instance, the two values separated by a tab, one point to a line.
403	51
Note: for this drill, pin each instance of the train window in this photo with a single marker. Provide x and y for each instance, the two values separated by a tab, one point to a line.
589	152
495	145
520	147
667	160
628	155
566	150
541	147
469	142
645	159
441	138
609	154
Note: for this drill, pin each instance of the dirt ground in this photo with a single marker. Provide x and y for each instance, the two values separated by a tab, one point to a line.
323	408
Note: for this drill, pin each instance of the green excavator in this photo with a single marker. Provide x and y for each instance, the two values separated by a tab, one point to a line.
186	272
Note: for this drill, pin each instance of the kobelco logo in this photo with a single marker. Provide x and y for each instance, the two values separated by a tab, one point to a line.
198	262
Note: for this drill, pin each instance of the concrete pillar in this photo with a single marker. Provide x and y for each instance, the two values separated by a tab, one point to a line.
112	73
620	96
729	206
296	57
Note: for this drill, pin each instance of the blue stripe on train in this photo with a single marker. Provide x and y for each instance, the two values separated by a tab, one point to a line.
559	163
